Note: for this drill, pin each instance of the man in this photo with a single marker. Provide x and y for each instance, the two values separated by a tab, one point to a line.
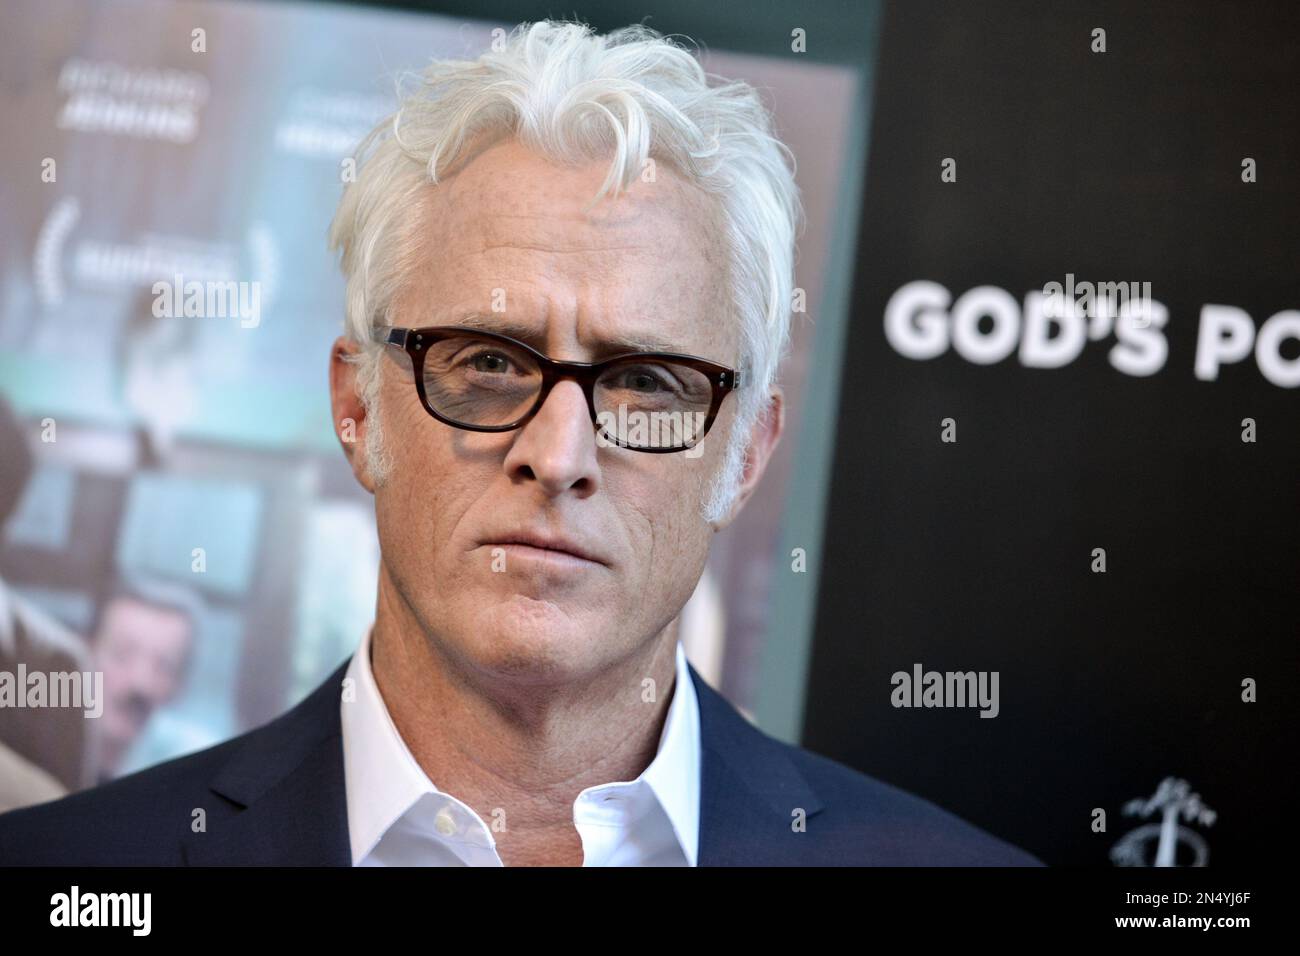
142	642
569	268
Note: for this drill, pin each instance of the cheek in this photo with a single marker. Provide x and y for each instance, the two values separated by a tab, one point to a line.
427	493
661	511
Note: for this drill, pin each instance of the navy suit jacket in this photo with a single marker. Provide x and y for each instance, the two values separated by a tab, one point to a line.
276	796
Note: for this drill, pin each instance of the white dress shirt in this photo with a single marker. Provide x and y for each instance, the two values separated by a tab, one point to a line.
397	817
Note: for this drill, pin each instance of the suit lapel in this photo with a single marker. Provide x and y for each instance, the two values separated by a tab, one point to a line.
288	779
750	791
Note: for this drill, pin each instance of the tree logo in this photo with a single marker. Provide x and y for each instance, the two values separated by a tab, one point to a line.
1173	801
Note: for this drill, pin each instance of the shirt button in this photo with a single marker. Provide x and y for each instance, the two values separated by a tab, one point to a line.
444	822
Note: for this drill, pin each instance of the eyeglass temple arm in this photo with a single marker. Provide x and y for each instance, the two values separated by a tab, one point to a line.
387	335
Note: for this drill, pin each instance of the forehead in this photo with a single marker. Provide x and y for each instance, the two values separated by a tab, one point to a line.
128	617
507	237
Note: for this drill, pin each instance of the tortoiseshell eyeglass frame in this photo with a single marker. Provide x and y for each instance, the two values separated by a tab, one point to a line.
415	342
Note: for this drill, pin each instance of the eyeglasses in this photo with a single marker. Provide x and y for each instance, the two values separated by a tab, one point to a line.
481	381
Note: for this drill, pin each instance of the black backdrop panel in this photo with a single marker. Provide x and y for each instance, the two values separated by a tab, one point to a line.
978	555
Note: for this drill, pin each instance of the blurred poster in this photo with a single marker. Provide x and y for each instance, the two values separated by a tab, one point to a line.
181	519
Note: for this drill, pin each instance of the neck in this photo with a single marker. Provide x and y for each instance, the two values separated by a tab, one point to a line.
525	751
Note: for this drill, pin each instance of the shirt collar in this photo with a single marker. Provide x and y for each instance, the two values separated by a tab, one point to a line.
383	780
674	774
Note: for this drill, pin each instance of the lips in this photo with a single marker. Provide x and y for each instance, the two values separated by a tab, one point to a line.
546	542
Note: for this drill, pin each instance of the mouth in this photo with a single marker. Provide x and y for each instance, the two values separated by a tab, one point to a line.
555	550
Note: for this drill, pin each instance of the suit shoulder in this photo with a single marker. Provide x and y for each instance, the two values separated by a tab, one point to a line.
143	819
136	820
892	823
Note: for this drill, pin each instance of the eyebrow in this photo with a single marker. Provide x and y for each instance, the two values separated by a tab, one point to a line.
536	337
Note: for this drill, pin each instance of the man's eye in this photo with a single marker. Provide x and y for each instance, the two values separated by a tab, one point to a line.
645	380
489	362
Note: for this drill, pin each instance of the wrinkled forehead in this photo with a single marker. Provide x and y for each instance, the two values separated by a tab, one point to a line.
509	235
509	179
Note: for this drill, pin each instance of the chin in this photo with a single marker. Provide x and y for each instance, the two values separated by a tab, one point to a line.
530	640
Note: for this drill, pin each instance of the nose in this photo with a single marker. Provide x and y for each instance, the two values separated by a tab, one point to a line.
557	447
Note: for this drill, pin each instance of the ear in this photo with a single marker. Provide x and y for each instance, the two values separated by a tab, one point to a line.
348	411
762	442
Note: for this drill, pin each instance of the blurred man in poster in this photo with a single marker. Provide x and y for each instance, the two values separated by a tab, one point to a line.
142	642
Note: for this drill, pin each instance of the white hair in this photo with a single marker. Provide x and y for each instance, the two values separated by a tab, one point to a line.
572	96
